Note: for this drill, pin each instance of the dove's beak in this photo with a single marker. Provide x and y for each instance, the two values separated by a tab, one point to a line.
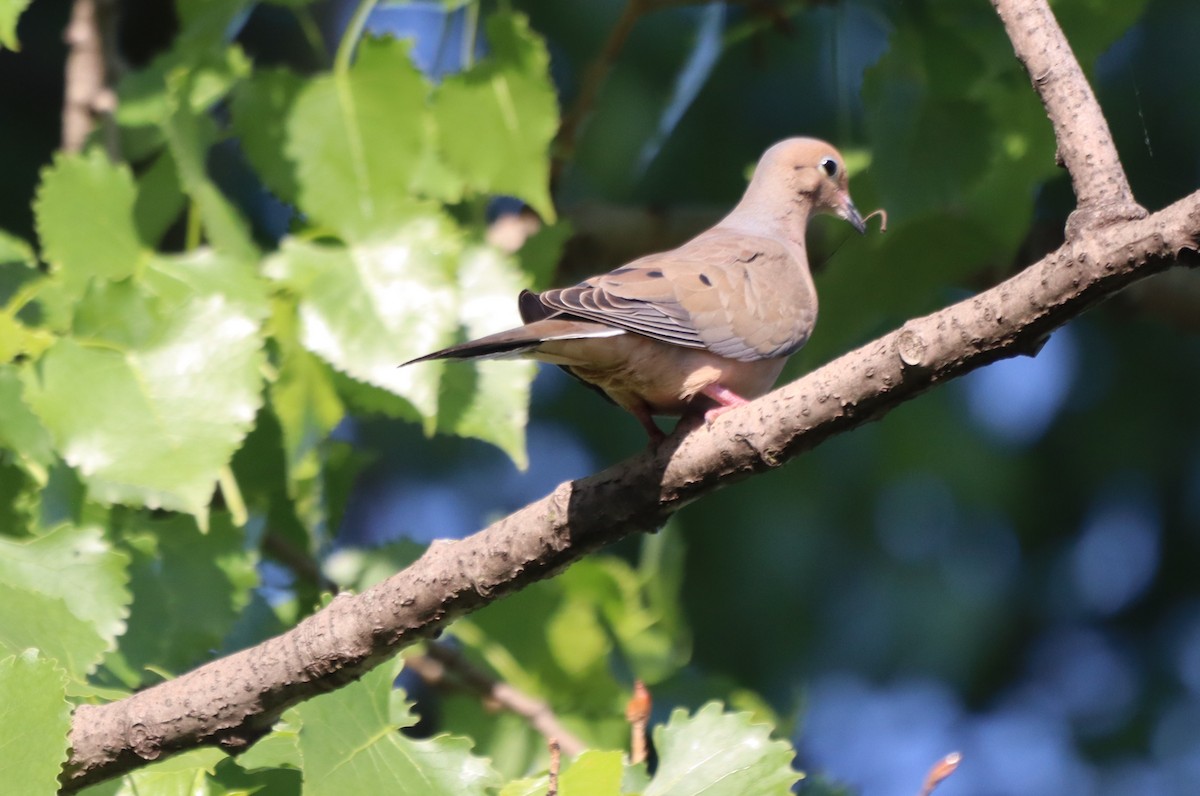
849	212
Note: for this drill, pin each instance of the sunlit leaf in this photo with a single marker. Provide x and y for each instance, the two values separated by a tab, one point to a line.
350	745
186	774
509	101
10	12
84	210
173	383
714	752
363	144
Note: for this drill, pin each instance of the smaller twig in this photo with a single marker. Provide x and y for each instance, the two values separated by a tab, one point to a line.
1085	144
443	664
941	769
637	712
593	78
87	96
882	218
298	561
555	764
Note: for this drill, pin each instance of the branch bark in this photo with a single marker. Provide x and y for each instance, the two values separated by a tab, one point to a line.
1085	145
233	701
442	664
91	63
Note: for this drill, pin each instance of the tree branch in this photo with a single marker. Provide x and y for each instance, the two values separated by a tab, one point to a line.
1085	145
91	64
235	700
593	78
442	664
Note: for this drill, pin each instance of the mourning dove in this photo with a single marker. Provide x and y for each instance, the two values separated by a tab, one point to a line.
700	328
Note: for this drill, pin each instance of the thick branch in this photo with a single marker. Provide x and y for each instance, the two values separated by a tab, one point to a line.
1085	144
235	700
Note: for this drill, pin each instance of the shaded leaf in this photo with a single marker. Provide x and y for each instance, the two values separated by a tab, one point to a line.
189	135
160	199
261	106
77	565
20	430
188	590
34	720
31	619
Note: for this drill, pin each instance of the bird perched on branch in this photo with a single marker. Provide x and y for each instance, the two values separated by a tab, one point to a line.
704	327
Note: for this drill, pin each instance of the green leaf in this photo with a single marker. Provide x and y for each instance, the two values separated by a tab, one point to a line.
84	214
924	122
20	430
363	144
77	565
19	499
593	773
487	400
200	52
261	107
279	749
10	12
368	308
350	744
509	101
35	718
160	199
18	265
188	590
173	382
186	774
31	619
717	753
189	136
304	400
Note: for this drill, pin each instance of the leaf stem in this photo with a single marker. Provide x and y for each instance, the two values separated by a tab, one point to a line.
233	496
191	239
470	31
351	35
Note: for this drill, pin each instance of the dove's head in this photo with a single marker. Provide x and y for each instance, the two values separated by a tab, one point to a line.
807	172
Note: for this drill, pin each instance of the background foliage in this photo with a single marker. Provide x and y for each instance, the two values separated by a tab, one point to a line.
202	423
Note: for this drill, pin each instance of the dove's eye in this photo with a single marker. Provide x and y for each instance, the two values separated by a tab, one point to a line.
829	166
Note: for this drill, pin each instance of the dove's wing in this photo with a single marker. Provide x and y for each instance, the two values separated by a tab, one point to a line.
744	297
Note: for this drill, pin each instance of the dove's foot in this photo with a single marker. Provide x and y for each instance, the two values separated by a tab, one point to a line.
726	398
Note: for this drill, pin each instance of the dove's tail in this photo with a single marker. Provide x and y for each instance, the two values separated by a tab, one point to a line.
522	340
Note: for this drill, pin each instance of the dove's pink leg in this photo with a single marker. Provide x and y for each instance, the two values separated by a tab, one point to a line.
727	399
